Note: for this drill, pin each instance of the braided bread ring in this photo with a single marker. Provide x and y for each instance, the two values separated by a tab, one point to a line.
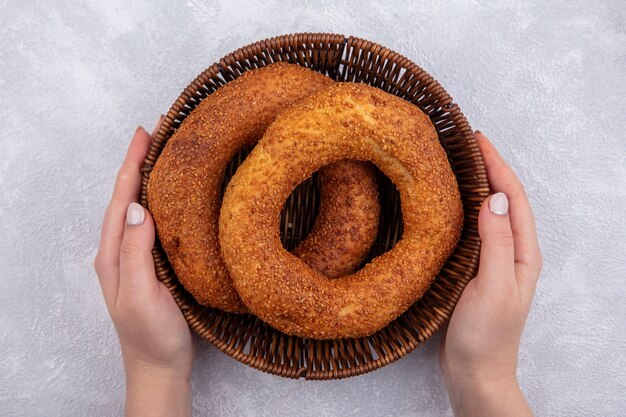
185	184
344	121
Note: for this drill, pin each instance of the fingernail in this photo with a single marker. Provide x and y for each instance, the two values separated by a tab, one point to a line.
135	214
478	132
499	204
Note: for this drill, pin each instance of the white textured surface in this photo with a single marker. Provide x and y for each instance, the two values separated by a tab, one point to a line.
546	82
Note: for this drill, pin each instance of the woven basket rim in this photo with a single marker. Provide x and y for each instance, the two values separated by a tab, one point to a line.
295	357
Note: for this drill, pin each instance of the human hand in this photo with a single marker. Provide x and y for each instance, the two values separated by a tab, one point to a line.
157	345
478	352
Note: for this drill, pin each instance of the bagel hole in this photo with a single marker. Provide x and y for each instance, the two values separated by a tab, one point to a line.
390	222
299	211
232	166
302	207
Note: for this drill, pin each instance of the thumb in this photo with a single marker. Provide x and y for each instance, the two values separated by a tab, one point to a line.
497	256
137	273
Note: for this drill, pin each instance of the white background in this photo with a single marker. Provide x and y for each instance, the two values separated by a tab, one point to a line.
545	82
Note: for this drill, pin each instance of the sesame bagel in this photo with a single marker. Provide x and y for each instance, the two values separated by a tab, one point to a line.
343	121
184	189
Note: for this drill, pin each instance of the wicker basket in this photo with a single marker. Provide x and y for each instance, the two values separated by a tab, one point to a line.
251	341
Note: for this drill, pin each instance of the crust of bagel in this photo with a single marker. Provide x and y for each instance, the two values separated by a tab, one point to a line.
185	184
343	121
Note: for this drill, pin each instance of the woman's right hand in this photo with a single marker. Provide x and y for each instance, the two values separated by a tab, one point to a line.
478	353
157	344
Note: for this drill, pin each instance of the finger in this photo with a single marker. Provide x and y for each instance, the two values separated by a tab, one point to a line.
137	274
497	251
126	189
503	179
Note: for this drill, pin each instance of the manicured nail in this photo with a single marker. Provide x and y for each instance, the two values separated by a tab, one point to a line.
499	204
135	214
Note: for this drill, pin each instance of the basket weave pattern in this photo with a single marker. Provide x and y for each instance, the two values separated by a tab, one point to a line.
244	336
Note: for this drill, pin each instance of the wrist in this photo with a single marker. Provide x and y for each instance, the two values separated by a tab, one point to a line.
157	391
484	395
141	371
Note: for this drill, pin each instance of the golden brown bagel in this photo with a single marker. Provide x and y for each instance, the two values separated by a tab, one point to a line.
344	121
185	184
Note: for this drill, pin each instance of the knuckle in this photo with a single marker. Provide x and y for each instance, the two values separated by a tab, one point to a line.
96	263
127	305
126	173
124	178
502	238
129	249
99	263
538	262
